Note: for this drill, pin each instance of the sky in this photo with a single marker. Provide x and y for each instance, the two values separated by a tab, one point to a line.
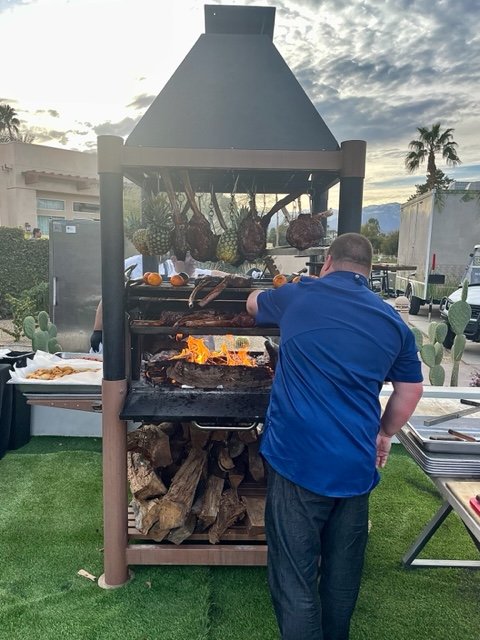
374	69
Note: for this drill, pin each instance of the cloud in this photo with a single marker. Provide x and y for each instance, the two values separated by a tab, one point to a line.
142	102
122	128
5	5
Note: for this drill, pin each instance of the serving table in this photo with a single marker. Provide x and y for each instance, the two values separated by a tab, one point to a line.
455	498
453	467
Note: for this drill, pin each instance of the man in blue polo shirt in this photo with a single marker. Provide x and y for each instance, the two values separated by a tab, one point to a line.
324	434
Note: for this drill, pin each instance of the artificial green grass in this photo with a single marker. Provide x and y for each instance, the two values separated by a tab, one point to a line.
51	526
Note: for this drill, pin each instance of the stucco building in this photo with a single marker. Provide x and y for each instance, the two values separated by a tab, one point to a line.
38	183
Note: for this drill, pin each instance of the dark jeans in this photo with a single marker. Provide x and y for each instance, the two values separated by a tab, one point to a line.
316	547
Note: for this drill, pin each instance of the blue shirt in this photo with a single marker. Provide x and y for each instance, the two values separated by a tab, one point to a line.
339	343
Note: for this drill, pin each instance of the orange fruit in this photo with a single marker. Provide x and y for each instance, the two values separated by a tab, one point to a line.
145	276
178	280
279	280
154	279
296	279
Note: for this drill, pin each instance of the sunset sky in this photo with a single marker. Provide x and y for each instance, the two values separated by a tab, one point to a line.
374	69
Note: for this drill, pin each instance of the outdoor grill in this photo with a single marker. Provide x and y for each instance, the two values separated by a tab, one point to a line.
233	118
145	402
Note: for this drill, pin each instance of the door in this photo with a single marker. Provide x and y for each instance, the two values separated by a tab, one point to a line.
75	280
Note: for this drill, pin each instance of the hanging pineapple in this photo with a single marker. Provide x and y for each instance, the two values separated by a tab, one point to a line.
139	241
227	247
158	216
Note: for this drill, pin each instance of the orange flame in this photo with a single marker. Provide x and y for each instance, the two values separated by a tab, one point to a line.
198	352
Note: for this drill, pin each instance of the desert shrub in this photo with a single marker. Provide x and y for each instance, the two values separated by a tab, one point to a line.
24	265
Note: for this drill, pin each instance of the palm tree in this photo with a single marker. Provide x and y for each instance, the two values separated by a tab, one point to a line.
426	146
8	121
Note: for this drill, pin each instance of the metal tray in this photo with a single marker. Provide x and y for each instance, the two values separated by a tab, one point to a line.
422	433
439	464
72	355
59	389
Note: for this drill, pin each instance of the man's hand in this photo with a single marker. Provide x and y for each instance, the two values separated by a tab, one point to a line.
96	339
384	444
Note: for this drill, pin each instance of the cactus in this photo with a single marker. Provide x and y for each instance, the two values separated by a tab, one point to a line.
432	352
42	333
418	337
437	376
459	315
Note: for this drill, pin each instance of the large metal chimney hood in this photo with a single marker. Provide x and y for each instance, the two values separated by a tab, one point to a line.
234	115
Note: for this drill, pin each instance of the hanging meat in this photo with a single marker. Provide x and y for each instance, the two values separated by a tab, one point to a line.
178	240
201	240
178	236
252	236
305	231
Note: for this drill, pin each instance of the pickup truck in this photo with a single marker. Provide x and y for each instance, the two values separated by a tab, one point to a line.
472	274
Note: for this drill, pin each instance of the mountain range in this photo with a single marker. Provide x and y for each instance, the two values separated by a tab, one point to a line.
388	216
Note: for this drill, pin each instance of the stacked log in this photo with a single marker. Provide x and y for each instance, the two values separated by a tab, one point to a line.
185	480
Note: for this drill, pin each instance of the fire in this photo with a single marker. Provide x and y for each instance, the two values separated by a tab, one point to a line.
198	352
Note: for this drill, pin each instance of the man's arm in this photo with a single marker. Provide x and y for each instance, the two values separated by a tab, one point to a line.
98	324
97	335
252	304
400	406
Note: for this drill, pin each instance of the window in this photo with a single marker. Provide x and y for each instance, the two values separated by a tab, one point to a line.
50	205
43	223
86	207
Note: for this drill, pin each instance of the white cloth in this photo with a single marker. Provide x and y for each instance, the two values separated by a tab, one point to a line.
165	268
138	271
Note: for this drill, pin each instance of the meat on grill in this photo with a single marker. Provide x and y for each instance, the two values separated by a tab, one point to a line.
207	318
219	284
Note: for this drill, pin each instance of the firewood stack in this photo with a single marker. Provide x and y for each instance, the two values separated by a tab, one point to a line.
185	480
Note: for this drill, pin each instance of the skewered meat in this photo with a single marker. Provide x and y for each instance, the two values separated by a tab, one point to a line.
241	319
228	281
218	284
202	284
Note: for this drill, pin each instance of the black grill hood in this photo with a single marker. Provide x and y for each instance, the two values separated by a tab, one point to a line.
234	91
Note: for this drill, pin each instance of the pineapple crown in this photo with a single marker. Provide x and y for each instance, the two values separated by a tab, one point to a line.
157	211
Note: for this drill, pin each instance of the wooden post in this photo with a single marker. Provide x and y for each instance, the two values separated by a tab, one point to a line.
115	497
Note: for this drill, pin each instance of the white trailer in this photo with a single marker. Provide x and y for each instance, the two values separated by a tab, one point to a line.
437	233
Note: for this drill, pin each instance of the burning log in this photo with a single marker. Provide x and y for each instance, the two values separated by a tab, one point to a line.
212	376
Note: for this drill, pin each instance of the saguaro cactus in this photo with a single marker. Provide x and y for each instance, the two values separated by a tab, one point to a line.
432	352
42	333
459	315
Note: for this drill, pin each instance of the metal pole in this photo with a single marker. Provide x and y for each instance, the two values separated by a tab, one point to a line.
351	186
114	384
